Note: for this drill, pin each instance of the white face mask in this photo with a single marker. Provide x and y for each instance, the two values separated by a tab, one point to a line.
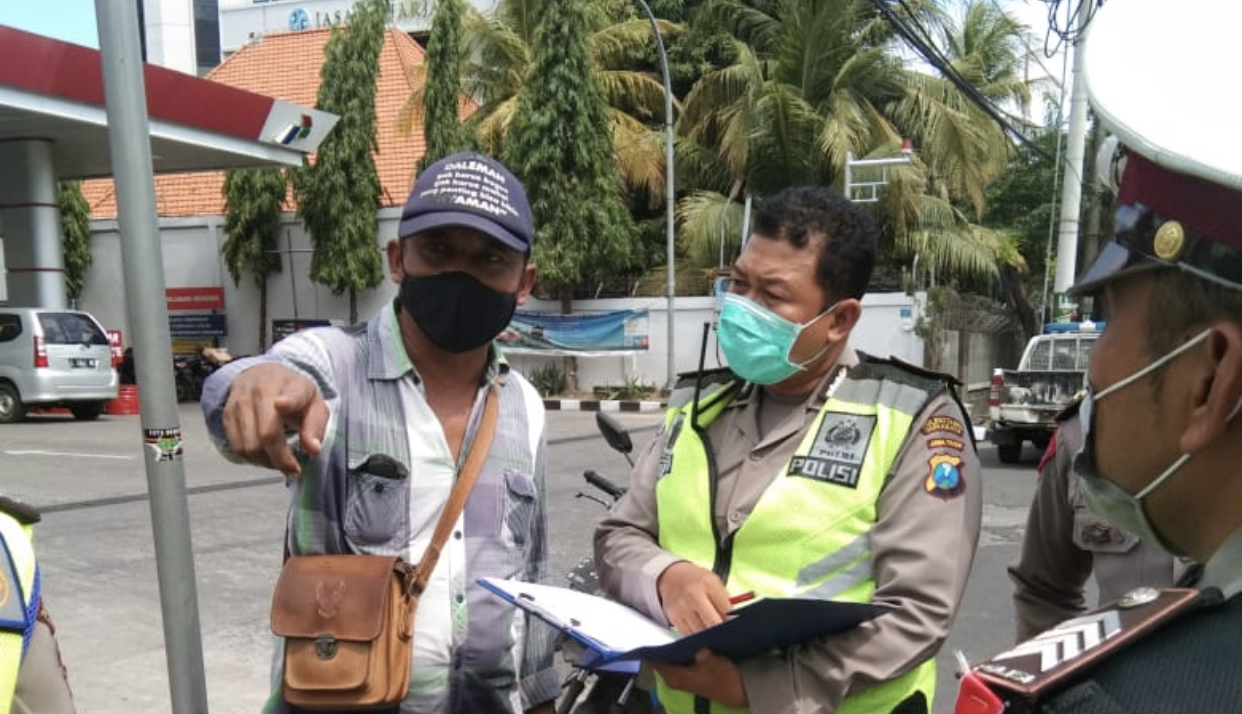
1106	498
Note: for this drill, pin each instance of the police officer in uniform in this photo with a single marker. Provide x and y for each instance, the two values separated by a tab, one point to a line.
32	678
1064	544
805	470
1162	445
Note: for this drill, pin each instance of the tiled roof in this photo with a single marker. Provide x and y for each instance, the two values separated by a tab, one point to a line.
286	66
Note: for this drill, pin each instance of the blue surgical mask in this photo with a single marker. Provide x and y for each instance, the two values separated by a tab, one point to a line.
756	341
1105	498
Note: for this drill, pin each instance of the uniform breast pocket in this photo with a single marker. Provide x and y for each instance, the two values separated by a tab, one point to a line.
519	497
377	511
1096	535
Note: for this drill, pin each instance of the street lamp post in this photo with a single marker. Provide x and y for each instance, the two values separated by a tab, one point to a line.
671	282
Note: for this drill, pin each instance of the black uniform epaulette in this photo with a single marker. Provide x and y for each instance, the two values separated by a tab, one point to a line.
1043	664
24	513
718	375
920	371
1070	409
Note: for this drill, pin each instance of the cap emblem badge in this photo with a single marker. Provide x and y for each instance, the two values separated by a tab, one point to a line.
1170	240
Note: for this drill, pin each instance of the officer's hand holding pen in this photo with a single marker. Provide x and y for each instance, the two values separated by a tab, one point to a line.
693	598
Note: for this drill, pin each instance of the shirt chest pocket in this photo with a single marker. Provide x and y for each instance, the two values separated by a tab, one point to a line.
1096	535
377	504
518	500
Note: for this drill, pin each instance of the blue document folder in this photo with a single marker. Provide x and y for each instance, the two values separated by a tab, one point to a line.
612	632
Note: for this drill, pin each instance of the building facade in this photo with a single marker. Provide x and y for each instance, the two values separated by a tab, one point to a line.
243	21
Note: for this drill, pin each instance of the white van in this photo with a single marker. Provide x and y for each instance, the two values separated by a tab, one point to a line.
53	358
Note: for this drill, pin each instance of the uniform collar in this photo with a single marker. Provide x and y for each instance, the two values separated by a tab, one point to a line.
1224	569
749	424
848	358
389	360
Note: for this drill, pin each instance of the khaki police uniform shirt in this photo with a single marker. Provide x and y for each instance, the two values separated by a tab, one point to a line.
41	685
1064	542
922	544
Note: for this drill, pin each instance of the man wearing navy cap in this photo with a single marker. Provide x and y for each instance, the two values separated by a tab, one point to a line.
1162	452
411	384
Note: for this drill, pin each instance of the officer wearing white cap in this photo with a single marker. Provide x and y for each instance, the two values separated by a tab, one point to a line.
1162	452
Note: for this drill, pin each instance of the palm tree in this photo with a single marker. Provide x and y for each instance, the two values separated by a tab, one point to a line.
987	46
815	81
496	55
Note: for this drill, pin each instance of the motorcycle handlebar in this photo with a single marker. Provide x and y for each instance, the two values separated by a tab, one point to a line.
603	484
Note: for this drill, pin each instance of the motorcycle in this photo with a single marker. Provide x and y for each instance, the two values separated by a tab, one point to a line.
613	690
190	371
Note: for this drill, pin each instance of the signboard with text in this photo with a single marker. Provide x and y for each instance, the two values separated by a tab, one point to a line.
199	298
197	325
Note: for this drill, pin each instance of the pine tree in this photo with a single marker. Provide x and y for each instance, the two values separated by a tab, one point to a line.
443	130
253	199
339	195
75	236
559	144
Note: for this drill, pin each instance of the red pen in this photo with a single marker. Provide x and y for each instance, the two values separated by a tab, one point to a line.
744	597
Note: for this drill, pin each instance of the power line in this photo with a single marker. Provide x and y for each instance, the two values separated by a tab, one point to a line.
933	56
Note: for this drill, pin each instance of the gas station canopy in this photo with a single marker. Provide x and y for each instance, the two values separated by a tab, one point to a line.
53	91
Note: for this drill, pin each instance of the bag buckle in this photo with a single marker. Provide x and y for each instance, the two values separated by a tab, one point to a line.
326	646
409	578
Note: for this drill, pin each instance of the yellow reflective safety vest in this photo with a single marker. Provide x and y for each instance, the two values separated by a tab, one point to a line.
810	533
19	601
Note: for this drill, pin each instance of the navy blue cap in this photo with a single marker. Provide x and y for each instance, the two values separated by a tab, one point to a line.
470	190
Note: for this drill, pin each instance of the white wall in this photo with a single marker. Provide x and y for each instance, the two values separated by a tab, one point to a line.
883	330
191	250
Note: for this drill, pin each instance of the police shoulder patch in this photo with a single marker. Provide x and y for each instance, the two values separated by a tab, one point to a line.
943	424
944	479
12	606
837	452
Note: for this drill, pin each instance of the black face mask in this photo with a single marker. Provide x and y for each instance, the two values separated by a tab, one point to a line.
456	311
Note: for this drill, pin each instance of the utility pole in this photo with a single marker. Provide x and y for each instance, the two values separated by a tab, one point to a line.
1071	187
669	198
129	139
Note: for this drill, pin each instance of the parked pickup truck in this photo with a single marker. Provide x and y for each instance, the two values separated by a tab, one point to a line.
1024	402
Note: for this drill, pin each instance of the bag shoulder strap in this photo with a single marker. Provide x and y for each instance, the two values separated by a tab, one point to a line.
466	479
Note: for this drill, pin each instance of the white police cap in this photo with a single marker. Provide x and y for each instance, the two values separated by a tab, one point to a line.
1159	75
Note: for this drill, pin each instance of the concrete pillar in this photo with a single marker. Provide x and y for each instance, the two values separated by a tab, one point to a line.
30	222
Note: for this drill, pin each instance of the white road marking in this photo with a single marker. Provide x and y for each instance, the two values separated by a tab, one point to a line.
67	453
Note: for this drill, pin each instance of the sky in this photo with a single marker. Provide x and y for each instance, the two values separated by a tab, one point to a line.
74	20
68	20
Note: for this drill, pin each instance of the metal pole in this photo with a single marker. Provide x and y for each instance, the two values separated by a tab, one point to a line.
669	191
849	175
293	278
130	144
1071	188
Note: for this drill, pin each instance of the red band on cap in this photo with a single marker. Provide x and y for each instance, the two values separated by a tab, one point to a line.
1209	209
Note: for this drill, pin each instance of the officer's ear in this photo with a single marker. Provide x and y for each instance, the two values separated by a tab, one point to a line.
842	319
1217	387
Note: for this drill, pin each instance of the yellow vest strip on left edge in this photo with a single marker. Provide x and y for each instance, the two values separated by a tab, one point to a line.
17	576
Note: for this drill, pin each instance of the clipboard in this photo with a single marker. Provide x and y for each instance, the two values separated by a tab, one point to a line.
614	633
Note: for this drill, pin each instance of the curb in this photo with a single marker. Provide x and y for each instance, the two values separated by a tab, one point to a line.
602	405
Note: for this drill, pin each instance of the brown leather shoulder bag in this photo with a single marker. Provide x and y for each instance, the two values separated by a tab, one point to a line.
348	620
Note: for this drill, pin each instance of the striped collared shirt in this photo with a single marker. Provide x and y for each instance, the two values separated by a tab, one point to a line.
472	651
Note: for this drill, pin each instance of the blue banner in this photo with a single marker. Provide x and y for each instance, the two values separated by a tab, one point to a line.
601	333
